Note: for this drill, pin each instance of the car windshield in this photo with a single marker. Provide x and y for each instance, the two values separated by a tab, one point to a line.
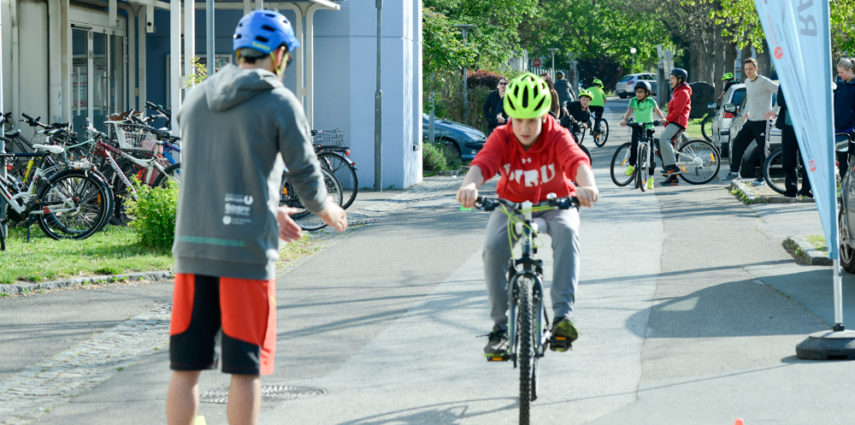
625	78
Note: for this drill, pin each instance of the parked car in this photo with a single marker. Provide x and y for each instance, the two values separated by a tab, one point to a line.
463	140
736	124
846	221
625	87
722	119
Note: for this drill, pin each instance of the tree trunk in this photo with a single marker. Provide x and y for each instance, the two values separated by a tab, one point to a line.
729	57
718	64
764	61
746	53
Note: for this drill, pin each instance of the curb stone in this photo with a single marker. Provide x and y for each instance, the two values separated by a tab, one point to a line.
804	252
24	287
753	197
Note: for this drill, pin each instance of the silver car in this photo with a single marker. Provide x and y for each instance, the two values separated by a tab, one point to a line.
722	118
625	87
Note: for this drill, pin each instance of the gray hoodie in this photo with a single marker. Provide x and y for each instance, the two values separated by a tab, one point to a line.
237	127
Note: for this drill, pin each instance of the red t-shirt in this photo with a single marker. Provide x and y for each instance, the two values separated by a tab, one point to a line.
549	166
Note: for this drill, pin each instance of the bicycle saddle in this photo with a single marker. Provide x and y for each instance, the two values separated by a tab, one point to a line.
13	133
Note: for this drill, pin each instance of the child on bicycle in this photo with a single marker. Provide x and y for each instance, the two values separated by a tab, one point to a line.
676	122
598	103
643	106
536	157
578	114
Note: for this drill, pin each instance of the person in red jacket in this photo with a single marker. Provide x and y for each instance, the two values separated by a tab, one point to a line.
536	156
675	123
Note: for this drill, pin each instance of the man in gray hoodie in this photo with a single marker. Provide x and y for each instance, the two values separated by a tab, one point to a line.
241	129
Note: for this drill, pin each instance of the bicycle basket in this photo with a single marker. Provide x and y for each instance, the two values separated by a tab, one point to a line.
134	136
329	138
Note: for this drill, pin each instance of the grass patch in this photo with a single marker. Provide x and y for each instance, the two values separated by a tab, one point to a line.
694	129
818	242
113	250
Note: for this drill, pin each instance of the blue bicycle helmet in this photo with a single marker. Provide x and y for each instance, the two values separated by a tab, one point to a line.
264	31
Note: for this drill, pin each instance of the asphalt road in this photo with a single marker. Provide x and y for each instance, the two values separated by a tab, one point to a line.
689	311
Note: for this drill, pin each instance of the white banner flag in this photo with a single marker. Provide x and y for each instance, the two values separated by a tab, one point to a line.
798	34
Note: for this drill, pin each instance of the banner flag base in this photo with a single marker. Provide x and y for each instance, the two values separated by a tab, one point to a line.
828	345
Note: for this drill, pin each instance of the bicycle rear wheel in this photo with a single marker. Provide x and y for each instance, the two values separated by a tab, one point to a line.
698	160
773	172
525	353
344	171
172	172
602	134
309	221
87	199
620	162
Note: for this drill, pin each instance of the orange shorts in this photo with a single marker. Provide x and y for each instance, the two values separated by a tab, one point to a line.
245	311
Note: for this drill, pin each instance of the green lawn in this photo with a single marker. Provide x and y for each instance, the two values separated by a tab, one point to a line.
114	250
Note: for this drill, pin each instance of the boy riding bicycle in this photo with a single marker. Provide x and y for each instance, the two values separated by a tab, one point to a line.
578	114
598	102
644	106
536	157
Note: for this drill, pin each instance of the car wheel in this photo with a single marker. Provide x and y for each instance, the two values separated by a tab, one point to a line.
452	147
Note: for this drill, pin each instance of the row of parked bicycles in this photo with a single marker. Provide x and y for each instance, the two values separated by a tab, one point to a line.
72	184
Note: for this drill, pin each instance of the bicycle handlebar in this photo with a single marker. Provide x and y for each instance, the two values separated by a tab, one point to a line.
630	123
489	204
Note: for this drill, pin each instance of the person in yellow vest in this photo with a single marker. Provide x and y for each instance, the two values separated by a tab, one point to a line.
598	103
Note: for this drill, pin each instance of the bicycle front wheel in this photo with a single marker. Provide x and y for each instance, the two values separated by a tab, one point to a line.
620	163
698	160
172	172
309	221
525	354
641	171
773	172
79	204
602	133
344	171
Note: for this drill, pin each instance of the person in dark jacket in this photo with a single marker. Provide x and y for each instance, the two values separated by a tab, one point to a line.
493	109
790	151
562	86
844	107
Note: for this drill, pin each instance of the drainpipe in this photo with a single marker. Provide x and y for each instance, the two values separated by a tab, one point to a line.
175	60
378	108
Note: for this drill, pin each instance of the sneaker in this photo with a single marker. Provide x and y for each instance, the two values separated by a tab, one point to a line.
731	176
806	193
758	182
670	181
650	183
629	170
563	335
497	346
670	170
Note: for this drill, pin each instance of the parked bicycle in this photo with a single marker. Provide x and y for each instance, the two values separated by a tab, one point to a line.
334	155
70	204
528	321
305	218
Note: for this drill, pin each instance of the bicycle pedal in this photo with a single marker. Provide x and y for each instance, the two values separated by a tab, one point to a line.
502	358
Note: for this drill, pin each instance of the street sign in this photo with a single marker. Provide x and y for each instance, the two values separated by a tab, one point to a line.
535	62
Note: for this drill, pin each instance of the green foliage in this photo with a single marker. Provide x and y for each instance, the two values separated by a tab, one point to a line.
438	157
741	24
153	214
200	73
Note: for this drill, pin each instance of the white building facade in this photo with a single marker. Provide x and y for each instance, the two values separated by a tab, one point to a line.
73	60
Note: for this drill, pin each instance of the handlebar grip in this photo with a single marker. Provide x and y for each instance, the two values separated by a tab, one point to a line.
29	118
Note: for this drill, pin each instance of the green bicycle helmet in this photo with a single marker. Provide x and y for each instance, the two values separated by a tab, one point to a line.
527	96
597	82
586	92
727	77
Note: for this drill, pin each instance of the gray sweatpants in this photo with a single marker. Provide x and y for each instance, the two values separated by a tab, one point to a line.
666	149
563	228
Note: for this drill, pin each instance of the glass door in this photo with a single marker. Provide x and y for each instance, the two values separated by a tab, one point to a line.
79	77
100	81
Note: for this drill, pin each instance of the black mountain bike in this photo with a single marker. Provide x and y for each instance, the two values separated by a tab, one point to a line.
528	321
600	131
644	157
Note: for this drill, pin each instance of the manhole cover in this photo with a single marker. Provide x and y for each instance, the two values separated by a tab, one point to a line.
268	393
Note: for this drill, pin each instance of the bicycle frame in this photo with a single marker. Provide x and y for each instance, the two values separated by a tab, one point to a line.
150	165
521	271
